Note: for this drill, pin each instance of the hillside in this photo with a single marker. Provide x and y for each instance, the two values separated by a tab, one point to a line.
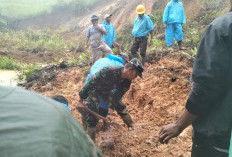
154	101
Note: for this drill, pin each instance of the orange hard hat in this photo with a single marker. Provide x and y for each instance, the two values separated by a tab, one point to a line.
140	9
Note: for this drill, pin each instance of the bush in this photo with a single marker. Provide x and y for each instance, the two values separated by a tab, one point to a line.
35	41
27	71
9	63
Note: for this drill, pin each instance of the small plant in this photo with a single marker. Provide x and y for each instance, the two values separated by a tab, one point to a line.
194	51
9	63
27	71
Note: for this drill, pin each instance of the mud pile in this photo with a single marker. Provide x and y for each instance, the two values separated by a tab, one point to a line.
154	101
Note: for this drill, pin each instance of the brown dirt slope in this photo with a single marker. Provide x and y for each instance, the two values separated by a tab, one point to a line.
154	101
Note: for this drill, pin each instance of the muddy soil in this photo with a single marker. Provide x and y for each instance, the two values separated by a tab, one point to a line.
154	101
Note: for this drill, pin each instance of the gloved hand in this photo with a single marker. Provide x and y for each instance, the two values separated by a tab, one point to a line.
127	120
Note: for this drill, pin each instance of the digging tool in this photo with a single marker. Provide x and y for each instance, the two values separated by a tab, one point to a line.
101	117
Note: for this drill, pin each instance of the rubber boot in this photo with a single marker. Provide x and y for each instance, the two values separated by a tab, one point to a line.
92	132
180	46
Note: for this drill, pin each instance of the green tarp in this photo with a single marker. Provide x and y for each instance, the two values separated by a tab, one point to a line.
32	125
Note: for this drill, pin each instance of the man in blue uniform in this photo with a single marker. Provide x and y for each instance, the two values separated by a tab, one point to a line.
173	20
143	26
110	38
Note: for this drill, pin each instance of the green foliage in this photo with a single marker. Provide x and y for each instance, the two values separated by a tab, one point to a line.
15	9
194	51
157	19
27	71
35	41
9	63
206	17
125	37
192	37
157	44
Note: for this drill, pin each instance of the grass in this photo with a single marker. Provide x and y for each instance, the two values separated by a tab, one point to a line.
35	41
15	9
9	63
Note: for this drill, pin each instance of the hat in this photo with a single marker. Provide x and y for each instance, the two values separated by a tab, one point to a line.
138	66
60	98
140	9
94	17
107	15
124	56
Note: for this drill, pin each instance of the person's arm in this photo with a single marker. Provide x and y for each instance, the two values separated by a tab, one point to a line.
151	40
174	129
124	114
101	29
183	16
87	42
166	14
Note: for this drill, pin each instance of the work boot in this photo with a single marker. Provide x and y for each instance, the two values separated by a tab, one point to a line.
170	49
143	60
180	46
92	132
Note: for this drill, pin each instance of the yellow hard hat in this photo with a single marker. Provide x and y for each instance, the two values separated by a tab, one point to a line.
140	9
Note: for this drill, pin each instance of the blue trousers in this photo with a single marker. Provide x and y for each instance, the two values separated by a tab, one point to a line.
173	30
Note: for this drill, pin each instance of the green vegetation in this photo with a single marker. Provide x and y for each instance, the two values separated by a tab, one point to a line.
15	9
35	41
125	37
9	63
27	71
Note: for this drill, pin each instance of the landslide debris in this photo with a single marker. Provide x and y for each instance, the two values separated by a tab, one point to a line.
154	101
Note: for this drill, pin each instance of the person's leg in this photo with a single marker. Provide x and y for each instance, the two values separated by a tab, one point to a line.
135	48
169	34
143	49
91	121
105	49
179	35
200	149
96	54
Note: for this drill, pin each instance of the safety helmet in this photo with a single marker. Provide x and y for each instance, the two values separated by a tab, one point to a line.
140	9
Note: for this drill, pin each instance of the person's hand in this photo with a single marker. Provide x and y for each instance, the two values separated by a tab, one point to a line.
131	127
80	105
86	46
165	26
97	26
183	28
168	132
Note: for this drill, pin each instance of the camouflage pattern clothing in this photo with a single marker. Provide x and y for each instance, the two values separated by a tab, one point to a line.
102	84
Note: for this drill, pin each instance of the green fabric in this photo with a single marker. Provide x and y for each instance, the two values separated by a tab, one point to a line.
32	125
230	151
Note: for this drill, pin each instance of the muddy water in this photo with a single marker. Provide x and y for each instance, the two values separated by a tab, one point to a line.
7	78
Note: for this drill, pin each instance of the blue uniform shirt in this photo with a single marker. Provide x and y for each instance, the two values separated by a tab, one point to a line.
109	38
174	13
142	26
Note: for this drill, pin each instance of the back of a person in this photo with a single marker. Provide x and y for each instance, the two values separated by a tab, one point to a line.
217	124
111	60
34	125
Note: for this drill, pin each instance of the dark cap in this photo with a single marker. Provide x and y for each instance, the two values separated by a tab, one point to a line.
94	17
138	66
60	98
124	56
